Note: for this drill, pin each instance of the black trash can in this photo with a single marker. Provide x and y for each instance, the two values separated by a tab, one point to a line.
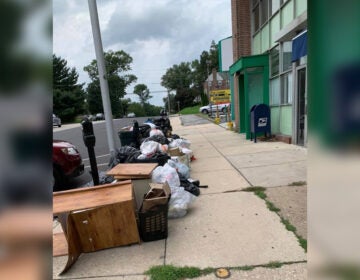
126	137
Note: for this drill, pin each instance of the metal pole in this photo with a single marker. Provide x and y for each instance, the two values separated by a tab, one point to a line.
102	74
169	101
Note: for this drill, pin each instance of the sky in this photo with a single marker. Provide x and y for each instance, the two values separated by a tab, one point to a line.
157	34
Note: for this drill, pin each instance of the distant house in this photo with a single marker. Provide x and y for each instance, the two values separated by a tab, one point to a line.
217	87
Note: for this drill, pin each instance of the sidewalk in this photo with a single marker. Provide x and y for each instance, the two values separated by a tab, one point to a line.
225	227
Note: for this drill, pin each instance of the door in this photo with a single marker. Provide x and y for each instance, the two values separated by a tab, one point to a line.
301	119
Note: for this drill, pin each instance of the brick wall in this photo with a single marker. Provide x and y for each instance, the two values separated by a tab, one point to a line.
241	34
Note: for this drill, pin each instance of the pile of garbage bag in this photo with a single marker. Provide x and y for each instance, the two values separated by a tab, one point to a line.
152	142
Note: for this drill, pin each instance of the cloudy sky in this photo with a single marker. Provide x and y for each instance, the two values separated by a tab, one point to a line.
156	33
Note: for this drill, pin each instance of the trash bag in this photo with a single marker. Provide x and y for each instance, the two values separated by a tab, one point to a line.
105	179
175	136
155	131
192	188
158	138
159	158
182	143
148	148
166	173
122	155
179	202
182	169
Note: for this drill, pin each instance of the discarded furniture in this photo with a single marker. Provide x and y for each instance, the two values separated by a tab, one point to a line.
139	174
95	218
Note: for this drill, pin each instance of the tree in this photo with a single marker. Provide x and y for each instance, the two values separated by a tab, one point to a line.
143	92
68	95
116	64
187	78
180	78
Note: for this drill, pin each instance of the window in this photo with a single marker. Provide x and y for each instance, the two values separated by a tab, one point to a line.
275	91
256	18
275	6
286	89
286	56
264	11
274	61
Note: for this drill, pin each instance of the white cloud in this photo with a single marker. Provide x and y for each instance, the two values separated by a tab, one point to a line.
157	34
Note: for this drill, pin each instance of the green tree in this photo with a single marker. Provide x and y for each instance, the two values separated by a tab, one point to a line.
117	65
180	78
187	79
68	95
143	92
172	102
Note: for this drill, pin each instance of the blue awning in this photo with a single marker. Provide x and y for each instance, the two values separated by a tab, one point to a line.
299	46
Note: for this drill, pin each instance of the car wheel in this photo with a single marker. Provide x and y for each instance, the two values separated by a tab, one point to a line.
205	111
59	125
223	110
58	179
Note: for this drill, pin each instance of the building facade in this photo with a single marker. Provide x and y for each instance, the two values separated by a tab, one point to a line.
270	65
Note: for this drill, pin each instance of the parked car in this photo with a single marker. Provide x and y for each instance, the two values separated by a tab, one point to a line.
67	163
56	121
99	117
131	115
221	107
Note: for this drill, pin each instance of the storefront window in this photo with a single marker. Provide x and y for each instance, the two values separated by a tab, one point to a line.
275	91
274	61
286	89
286	56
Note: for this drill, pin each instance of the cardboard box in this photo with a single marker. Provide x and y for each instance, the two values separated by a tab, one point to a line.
158	195
175	152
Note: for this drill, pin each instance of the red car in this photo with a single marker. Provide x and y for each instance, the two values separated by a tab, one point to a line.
67	163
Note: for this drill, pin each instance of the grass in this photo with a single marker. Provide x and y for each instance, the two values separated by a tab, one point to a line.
298	183
260	192
170	272
190	110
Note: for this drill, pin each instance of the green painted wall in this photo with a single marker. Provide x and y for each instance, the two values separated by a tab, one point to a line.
275	119
286	120
300	7
242	104
232	97
333	43
287	13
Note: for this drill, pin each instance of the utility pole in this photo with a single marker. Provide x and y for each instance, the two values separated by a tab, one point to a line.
169	101
102	74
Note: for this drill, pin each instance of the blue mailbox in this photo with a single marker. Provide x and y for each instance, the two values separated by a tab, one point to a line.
260	120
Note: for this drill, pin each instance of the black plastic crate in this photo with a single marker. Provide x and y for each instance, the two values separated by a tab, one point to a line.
153	224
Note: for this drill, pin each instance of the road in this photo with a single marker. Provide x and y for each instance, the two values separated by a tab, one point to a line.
73	134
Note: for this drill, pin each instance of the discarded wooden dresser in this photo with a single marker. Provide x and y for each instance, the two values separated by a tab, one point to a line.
96	218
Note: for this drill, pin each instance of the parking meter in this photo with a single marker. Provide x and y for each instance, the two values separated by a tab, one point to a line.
89	141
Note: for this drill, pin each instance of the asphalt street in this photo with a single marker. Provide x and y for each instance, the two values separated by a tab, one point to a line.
73	134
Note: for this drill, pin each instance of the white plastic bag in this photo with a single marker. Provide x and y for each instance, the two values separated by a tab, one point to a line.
179	202
182	143
149	148
166	173
181	168
155	131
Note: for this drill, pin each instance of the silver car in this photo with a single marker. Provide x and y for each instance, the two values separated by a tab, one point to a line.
56	121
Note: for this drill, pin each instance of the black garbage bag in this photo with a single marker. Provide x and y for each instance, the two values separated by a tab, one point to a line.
159	158
105	179
190	187
164	125
122	155
158	138
175	136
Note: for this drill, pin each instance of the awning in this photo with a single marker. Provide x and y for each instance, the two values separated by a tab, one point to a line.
299	46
